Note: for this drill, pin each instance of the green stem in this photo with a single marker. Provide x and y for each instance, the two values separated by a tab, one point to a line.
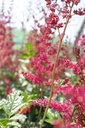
54	68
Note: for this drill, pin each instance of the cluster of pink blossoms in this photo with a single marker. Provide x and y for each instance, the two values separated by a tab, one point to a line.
5	47
61	124
24	110
76	69
41	66
35	79
55	105
8	56
74	105
76	98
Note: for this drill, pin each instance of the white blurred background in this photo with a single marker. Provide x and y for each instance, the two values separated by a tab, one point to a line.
22	11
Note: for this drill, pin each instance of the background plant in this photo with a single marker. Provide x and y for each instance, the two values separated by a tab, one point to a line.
52	73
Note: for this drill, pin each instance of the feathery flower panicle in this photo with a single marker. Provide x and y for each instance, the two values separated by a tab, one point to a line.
24	110
32	78
55	105
76	2
79	97
41	65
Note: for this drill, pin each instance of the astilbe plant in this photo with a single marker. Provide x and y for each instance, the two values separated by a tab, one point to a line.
8	55
47	67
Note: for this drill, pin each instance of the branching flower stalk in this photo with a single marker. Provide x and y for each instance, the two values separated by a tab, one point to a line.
55	62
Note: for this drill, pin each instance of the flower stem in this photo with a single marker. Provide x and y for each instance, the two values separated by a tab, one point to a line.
55	62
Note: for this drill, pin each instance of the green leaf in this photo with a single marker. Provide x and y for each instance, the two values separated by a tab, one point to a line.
3	122
32	53
29	52
49	121
25	97
29	46
19	117
73	123
24	56
13	103
14	123
51	116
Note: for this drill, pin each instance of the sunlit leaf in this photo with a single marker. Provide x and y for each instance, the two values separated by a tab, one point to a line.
13	103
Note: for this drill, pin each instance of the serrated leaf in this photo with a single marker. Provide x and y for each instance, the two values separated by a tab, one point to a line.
19	117
13	103
14	123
